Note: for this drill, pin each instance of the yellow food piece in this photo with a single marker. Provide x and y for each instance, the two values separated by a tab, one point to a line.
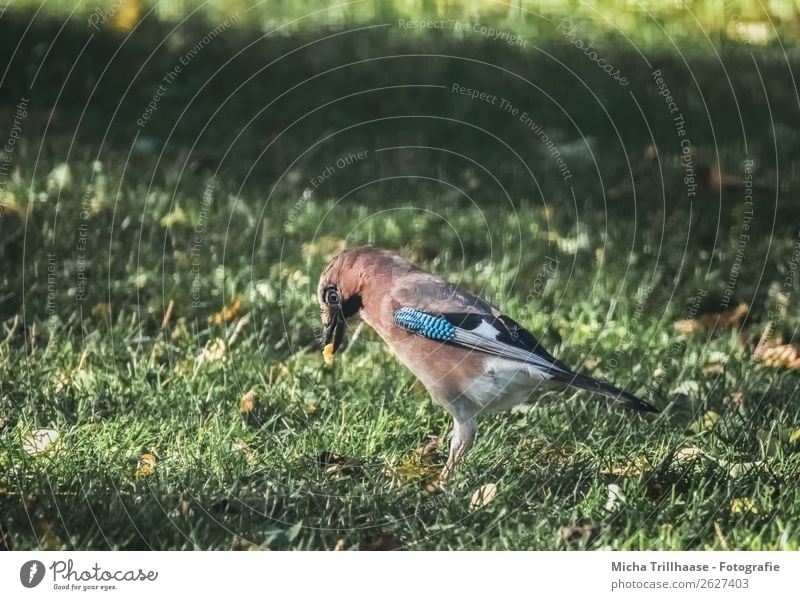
327	354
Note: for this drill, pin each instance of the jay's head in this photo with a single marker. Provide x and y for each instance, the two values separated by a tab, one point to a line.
339	294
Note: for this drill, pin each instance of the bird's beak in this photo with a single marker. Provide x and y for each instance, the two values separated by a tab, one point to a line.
333	330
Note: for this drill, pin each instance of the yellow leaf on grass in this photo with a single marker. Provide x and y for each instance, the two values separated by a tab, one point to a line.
794	436
213	352
38	441
743	505
227	313
704	423
638	467
423	467
176	217
689	454
146	466
483	496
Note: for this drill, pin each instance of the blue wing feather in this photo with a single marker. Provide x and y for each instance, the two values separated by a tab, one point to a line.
499	336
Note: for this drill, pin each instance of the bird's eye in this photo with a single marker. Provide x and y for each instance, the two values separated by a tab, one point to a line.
332	297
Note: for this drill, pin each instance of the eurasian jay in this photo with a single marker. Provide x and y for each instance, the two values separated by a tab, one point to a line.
469	356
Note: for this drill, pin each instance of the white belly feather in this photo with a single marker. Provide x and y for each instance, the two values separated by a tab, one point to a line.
504	384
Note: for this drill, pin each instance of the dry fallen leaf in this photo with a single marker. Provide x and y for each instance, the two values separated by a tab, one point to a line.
213	352
339	545
338	465
794	436
242	545
689	454
423	466
228	313
705	422
146	465
736	399
579	533
483	496
743	505
710	322
38	441
248	402
784	355
638	467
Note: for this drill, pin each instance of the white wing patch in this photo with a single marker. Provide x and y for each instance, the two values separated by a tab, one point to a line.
484	338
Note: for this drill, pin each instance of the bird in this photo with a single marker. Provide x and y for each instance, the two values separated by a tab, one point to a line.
471	358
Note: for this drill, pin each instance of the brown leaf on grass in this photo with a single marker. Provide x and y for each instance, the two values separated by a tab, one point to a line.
430	451
382	542
710	322
736	399
336	464
242	545
146	465
228	313
339	545
579	533
483	496
785	356
248	402
167	314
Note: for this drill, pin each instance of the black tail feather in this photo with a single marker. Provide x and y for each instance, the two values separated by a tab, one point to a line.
609	391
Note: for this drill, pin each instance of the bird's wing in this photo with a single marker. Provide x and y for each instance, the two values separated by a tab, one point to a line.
420	289
497	335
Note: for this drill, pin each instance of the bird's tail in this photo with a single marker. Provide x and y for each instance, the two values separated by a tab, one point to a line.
609	391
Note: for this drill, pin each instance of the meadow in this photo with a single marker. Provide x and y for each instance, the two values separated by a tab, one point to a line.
162	233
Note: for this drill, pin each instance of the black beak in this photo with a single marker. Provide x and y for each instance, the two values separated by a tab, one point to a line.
333	330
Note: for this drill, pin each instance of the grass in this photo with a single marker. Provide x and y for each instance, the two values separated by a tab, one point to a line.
156	447
119	386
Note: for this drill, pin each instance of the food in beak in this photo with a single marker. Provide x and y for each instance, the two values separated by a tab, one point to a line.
327	354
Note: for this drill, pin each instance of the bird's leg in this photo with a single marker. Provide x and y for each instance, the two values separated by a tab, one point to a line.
464	432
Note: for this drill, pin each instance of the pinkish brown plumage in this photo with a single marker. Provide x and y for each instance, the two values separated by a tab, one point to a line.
470	357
